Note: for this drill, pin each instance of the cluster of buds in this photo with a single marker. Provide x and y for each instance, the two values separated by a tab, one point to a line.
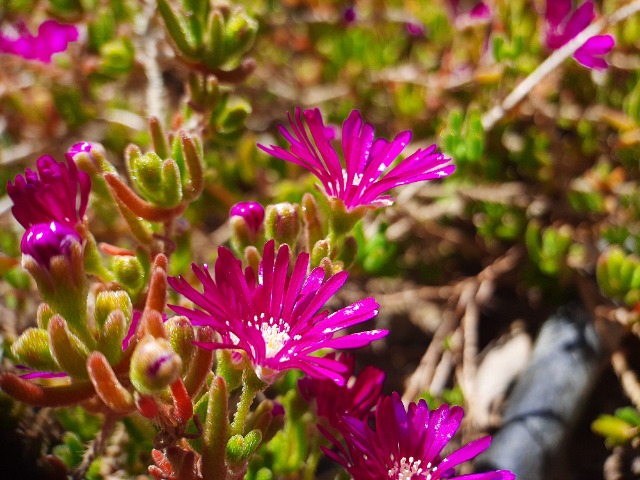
211	40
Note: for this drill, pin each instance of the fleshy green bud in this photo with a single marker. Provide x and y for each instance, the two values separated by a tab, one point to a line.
240	33
128	272
157	181
179	30
214	46
321	249
283	223
67	349
32	349
312	226
240	449
181	337
114	330
233	117
106	302
117	57
154	365
44	315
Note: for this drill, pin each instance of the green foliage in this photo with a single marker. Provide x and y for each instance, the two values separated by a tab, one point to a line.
620	428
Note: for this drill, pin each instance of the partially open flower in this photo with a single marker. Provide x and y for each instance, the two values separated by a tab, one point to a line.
52	37
43	241
356	398
56	192
563	23
367	173
276	318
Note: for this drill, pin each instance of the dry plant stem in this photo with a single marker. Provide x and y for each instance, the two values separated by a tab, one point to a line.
553	61
466	289
148	56
423	375
627	377
442	374
613	465
470	322
96	446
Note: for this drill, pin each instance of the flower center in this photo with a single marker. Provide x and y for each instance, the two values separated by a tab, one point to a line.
275	334
405	469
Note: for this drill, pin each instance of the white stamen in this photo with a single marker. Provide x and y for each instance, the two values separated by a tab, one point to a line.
275	334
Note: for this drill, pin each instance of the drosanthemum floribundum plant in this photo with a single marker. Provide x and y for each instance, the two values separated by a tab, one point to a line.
275	317
406	444
56	192
365	174
52	38
356	398
564	23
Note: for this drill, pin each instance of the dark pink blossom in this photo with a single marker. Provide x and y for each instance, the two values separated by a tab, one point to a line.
52	37
275	317
367	174
406	444
356	398
43	241
251	212
563	24
56	192
479	13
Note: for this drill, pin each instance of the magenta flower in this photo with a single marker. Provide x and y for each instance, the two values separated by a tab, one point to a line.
406	444
366	175
44	241
275	317
251	212
355	399
479	14
53	37
563	24
51	194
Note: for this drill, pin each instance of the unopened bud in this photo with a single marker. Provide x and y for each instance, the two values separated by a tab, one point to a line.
32	349
43	241
154	365
283	223
128	272
106	302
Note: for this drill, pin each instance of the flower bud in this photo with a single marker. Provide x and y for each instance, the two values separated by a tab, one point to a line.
240	33
246	220
181	337
44	241
312	226
283	223
320	250
128	272
154	365
157	180
107	302
240	448
32	349
251	212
